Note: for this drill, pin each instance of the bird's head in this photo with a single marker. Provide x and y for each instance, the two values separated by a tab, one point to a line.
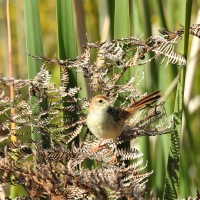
100	102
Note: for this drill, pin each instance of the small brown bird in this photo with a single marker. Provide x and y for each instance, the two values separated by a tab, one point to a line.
107	122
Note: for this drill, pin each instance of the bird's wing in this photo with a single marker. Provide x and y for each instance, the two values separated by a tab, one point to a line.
117	113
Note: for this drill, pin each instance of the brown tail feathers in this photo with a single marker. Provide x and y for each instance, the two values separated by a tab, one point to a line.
147	100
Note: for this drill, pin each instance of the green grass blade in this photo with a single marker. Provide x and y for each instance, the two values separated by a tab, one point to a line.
33	36
121	26
122	30
66	37
188	161
66	31
172	177
162	142
67	44
34	46
152	78
111	9
122	21
161	13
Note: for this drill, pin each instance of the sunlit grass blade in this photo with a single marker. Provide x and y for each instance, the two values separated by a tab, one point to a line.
172	176
122	21
66	32
33	36
34	46
67	39
66	35
67	42
122	30
121	26
152	78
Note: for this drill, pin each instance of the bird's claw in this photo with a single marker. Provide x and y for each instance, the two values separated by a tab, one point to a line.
95	149
114	158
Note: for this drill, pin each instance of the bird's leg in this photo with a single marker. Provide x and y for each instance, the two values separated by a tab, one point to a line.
114	158
95	149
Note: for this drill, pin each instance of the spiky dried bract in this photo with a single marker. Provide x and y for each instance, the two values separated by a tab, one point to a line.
55	172
58	175
162	45
195	198
123	54
147	123
195	30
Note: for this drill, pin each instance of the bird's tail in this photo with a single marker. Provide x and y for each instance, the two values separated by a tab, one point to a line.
146	101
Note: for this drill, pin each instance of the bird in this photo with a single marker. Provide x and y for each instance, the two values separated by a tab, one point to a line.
107	122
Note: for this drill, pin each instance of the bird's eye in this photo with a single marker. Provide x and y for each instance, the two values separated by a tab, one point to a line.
100	101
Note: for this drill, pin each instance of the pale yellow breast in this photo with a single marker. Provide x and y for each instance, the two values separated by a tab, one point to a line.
104	126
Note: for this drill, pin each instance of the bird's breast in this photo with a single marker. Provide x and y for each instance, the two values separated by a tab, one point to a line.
104	126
